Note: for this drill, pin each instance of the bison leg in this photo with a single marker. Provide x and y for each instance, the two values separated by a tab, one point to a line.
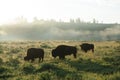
61	57
32	60
93	50
40	59
74	55
85	51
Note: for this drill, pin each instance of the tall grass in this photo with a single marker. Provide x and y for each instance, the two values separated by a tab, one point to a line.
103	64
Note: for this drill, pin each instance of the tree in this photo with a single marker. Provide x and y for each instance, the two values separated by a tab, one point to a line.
21	20
35	19
78	20
94	20
72	21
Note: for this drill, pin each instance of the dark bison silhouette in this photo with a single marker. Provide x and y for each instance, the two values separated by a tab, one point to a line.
63	50
33	53
86	47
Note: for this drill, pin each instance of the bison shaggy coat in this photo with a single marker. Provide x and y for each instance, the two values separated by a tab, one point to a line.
63	50
33	53
86	47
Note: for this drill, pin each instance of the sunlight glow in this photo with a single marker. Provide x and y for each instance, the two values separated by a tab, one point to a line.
102	10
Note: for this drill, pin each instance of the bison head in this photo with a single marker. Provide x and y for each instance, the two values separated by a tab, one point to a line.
54	53
26	58
81	45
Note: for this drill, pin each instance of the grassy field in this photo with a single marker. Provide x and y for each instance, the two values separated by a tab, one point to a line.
103	64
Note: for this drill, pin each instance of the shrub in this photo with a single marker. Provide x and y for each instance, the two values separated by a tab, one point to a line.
28	69
2	70
73	76
13	62
45	76
115	76
46	67
45	46
15	50
113	60
59	72
1	61
1	49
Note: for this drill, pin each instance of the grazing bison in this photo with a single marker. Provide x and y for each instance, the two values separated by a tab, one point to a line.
33	53
63	50
86	47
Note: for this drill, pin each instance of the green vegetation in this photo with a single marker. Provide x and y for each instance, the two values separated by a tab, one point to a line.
103	64
1	49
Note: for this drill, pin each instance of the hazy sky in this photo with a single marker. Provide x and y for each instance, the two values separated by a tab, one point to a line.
102	10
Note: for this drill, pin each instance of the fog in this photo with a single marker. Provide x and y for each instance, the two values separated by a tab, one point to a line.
60	31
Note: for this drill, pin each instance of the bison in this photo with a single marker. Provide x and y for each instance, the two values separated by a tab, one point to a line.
63	50
86	47
33	53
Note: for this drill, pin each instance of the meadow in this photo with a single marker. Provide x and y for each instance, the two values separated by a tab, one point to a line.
103	64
